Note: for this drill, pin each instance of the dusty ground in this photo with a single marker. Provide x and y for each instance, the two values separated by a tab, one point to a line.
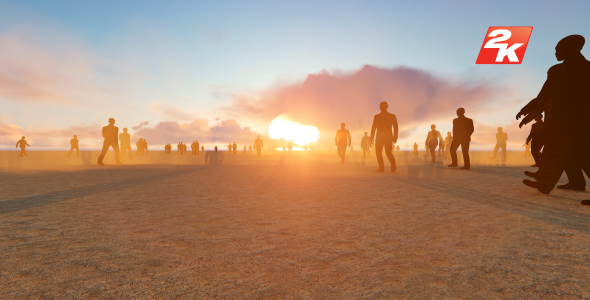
305	226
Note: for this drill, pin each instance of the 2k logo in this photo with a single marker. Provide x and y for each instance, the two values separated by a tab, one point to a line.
504	45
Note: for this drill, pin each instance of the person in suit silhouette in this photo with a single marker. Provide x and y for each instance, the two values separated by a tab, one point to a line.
258	145
415	149
384	123
22	143
203	149
432	142
111	139
193	151
397	148
366	145
125	140
501	139
145	147
342	141
448	142
235	147
535	140
168	148
197	146
74	146
567	135
462	131
527	151
139	146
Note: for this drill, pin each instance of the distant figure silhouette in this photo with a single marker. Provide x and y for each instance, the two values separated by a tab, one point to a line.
432	142
193	150
415	149
111	139
366	145
168	148
397	149
536	140
197	146
501	139
383	123
245	149
203	148
22	143
527	151
125	140
179	148
290	146
441	147
462	131
258	145
229	147
74	146
145	147
215	149
139	146
235	146
567	134
448	142
342	140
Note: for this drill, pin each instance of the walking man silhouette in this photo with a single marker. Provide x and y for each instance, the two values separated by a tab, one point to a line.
342	140
74	146
383	123
535	141
235	146
462	131
432	142
22	143
258	145
366	145
501	138
448	142
415	149
125	140
203	149
111	139
567	143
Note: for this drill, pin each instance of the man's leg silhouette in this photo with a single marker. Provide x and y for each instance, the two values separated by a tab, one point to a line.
388	152
504	154
496	148
536	147
105	149
23	152
454	146
465	150
342	152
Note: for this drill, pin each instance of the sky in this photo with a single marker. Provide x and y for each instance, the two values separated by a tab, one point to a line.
221	71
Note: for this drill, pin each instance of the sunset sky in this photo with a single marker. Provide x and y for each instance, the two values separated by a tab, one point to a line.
221	71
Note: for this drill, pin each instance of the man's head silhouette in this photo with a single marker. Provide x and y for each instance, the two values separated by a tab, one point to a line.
342	125
499	129
365	133
111	121
125	130
75	136
23	137
461	112
569	47
383	106
449	133
432	126
258	136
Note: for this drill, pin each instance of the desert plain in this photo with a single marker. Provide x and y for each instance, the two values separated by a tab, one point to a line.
302	226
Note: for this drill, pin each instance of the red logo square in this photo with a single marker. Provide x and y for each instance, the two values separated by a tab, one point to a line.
504	45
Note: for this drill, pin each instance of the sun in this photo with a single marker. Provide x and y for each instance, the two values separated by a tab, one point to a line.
282	127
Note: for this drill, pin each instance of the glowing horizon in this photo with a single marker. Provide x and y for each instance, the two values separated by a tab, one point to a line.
282	127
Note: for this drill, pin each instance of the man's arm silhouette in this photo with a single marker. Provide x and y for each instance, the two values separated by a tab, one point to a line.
349	138
373	128
395	129
538	103
17	144
471	128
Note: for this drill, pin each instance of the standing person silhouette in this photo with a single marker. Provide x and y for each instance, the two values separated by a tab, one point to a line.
203	149
125	140
567	144
290	146
258	145
111	139
501	139
193	150
527	151
235	146
215	149
139	146
74	146
342	140
383	123
197	146
22	143
397	149
432	142
366	145
462	131
535	140
179	148
168	148
415	149
441	147
145	147
448	142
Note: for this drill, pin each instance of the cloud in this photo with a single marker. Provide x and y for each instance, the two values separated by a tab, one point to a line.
199	129
140	126
89	135
171	111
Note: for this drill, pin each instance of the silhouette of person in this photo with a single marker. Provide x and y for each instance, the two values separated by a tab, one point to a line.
462	131
74	146
22	143
125	140
203	148
245	149
179	148
366	145
215	149
197	146
145	147
168	148
235	146
258	145
397	149
111	139
184	147
193	151
342	140
501	138
432	142
415	149
441	147
290	146
535	141
383	124
139	146
567	135
527	151
448	142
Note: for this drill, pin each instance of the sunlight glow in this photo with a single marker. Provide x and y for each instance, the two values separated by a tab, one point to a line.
282	127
